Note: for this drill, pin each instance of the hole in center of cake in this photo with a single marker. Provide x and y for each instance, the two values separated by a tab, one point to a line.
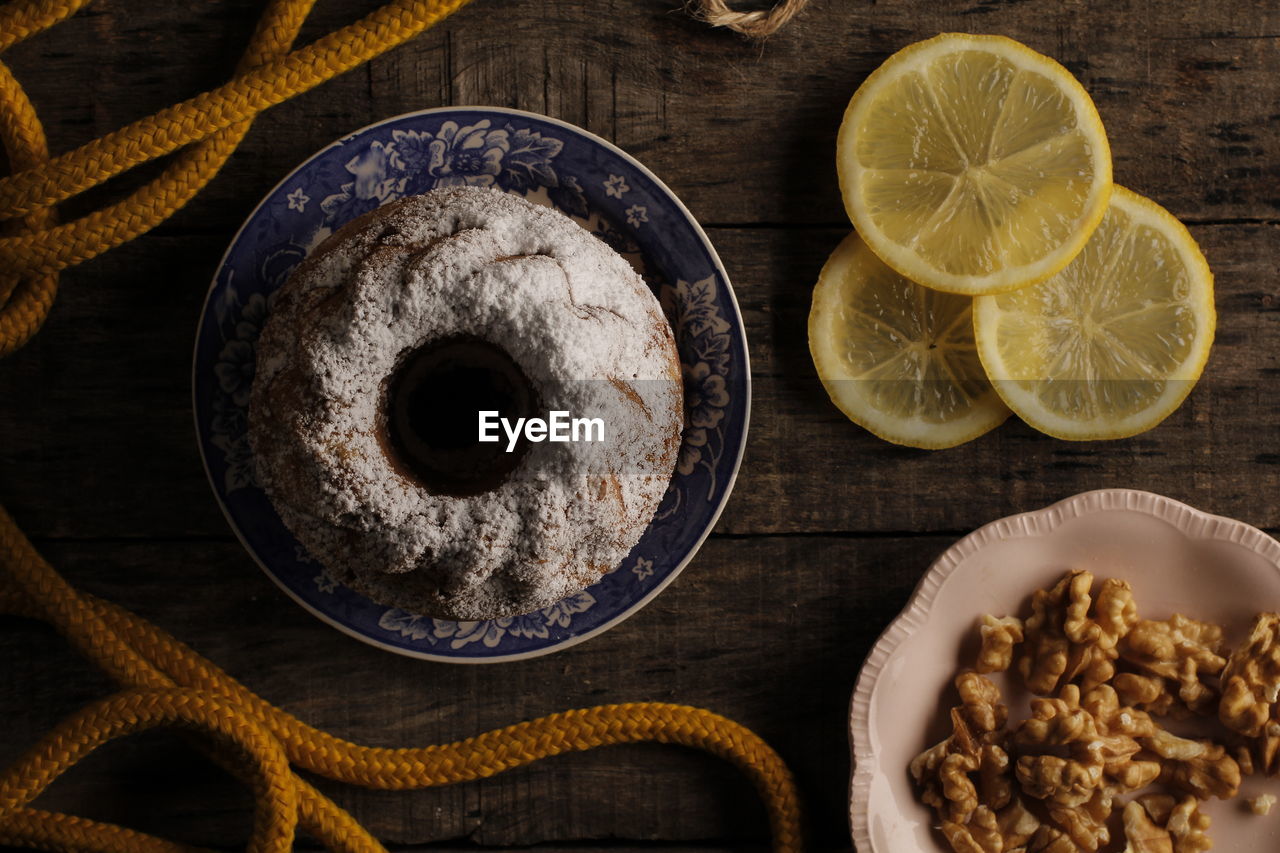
433	406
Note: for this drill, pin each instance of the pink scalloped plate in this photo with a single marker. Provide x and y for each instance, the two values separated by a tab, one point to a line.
1178	559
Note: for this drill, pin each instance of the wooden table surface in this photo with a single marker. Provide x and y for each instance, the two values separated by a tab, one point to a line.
828	528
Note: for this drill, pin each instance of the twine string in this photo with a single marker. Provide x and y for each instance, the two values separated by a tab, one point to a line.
756	24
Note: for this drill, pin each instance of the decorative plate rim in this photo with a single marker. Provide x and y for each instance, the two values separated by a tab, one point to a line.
1194	523
721	500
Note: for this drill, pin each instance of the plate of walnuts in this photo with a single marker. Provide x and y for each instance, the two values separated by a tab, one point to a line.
1101	675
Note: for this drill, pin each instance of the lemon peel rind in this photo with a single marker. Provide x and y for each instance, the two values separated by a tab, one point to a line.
988	411
1179	383
1009	278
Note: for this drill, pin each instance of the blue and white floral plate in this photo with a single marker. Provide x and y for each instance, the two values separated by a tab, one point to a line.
544	160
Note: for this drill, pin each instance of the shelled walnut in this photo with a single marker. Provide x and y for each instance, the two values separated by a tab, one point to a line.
999	637
1201	768
1069	635
1006	831
1086	825
1142	834
1250	703
1176	661
1158	823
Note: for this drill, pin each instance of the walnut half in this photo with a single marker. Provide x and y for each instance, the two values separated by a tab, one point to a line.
1201	768
1250	702
1176	659
1160	824
999	637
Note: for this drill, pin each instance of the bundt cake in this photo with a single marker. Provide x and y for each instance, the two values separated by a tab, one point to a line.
382	351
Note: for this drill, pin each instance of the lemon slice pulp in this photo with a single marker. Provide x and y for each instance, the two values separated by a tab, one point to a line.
1111	345
897	358
973	164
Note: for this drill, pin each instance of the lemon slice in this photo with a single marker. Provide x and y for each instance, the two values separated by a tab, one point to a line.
973	164
1111	345
897	358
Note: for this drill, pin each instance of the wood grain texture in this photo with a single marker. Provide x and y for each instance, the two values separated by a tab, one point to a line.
1187	89
828	529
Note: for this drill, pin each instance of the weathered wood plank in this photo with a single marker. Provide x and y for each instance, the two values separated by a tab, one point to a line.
771	635
102	424
744	133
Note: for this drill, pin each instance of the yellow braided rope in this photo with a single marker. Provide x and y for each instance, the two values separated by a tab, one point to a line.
21	19
137	710
140	655
268	75
25	300
55	248
239	99
165	682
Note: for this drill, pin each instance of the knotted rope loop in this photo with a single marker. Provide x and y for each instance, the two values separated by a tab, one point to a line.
756	24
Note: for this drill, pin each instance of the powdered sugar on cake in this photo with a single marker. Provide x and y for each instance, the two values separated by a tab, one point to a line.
581	325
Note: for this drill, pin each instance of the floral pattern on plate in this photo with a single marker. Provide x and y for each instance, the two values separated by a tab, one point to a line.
548	162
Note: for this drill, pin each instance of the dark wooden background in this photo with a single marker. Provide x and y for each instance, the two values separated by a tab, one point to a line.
828	528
